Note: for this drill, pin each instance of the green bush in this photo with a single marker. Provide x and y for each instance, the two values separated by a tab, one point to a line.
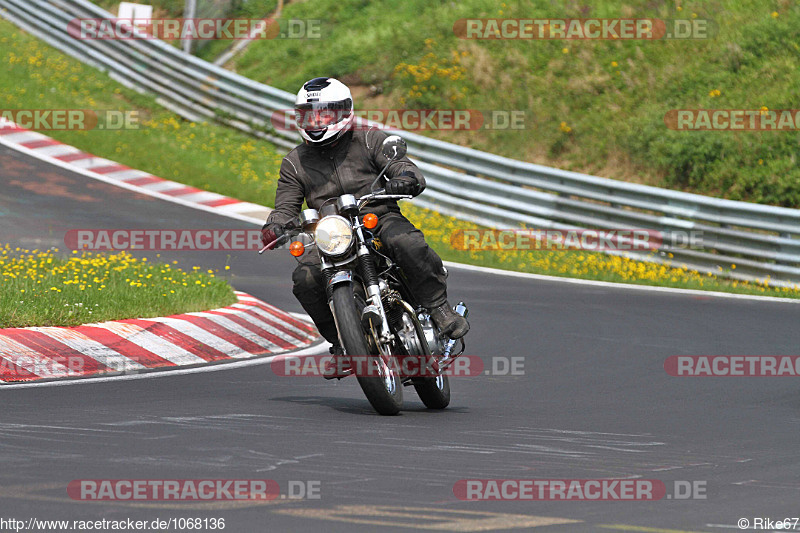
594	106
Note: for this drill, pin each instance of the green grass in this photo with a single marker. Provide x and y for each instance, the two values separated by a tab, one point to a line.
208	50
593	106
440	231
207	156
215	158
174	8
43	289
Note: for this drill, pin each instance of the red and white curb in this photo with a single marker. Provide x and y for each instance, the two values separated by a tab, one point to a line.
47	148
248	329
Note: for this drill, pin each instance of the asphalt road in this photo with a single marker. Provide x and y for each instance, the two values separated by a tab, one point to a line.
593	401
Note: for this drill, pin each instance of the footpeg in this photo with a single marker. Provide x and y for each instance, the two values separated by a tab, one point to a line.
337	368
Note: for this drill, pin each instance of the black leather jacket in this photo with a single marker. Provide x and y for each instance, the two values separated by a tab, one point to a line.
350	166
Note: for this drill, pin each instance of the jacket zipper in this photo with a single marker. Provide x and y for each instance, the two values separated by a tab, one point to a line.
336	173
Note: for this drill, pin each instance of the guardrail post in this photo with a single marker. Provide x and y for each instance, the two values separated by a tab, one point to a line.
189	10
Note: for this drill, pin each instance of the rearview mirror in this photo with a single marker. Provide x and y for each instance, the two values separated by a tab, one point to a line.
394	147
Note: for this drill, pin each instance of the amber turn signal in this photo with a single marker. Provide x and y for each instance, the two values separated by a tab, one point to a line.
370	220
297	248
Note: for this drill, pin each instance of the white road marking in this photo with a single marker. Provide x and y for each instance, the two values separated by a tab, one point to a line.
273	318
99	177
153	343
57	150
93	162
162	186
30	360
612	285
239	330
201	335
23	137
263	325
91	348
317	349
130	174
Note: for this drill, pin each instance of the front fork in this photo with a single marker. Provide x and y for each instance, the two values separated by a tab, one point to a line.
374	311
373	315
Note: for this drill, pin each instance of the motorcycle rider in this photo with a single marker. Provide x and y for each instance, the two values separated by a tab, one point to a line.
335	159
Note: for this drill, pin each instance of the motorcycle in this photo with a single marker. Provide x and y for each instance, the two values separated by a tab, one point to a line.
390	341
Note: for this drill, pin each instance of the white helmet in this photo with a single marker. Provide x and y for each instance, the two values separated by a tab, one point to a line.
323	110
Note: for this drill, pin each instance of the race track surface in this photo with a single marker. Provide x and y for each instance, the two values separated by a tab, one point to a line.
593	401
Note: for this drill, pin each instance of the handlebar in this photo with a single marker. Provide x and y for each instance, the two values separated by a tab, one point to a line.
380	194
292	229
274	244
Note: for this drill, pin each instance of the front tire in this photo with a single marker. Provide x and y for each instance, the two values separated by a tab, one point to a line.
384	392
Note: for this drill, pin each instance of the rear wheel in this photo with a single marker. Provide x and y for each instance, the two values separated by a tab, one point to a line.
433	391
384	390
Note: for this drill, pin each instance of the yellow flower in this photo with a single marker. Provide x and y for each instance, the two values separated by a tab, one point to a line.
614	64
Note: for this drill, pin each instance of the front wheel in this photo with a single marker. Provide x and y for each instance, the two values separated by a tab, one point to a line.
384	391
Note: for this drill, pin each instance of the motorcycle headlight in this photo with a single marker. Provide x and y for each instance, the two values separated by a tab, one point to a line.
334	235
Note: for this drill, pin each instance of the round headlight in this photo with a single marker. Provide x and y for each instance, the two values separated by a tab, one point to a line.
334	235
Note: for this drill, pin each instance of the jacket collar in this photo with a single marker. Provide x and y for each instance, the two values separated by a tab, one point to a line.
339	146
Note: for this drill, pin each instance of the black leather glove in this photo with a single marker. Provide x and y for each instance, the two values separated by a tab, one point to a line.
405	183
270	234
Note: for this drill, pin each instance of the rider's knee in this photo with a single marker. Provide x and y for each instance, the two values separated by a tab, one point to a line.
307	281
407	244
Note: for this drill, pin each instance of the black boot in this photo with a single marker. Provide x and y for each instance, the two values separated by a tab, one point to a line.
336	349
449	322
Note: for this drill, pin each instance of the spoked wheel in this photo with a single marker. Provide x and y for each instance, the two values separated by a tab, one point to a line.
384	390
433	391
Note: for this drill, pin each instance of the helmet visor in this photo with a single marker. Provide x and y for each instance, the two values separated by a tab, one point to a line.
315	116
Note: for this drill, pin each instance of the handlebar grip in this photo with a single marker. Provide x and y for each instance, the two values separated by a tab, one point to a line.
280	241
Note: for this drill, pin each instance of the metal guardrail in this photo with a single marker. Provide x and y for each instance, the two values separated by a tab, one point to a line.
762	241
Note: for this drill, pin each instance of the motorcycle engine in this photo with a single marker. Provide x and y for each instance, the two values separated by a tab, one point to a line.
401	323
431	334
